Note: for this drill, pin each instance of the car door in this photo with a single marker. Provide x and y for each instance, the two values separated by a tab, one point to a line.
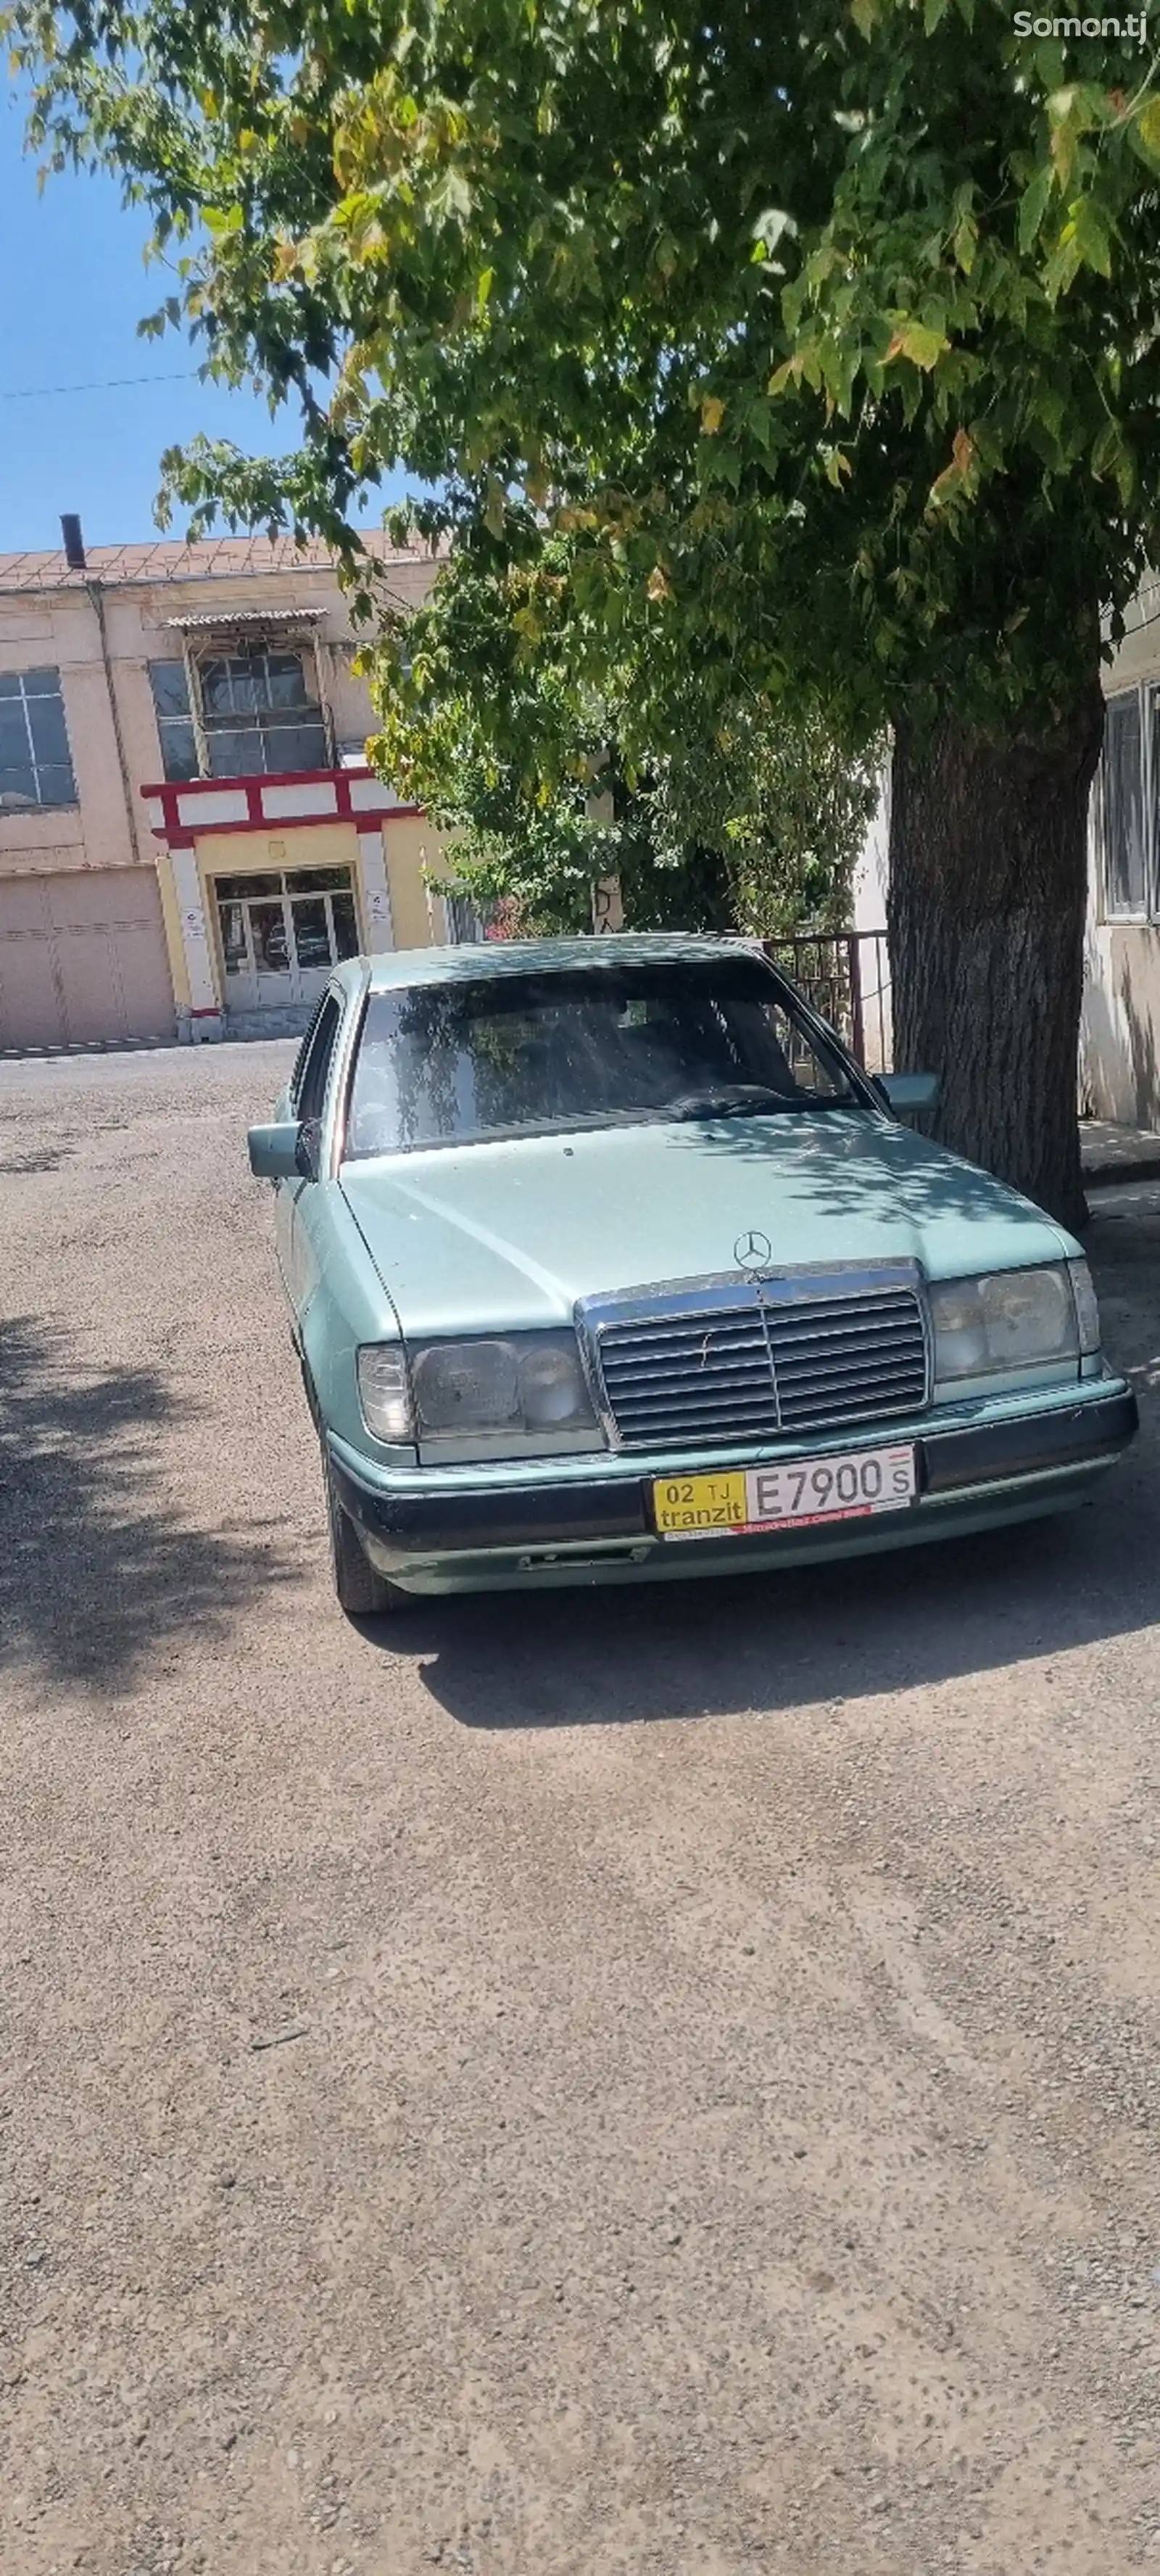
285	1110
306	1102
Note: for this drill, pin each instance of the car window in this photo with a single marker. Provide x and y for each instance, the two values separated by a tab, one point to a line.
316	1063
516	1054
294	1086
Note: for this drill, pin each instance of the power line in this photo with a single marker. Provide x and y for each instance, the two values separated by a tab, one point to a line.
101	385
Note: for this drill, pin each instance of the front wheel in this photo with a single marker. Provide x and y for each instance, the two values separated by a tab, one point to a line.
363	1593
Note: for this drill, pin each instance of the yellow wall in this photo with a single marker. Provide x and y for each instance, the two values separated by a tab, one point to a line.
411	845
240	854
171	920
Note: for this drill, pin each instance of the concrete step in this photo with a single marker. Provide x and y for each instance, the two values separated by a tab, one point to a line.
287	1022
1110	1152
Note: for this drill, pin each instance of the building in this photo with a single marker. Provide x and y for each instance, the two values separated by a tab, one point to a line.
1120	1057
1120	1029
189	831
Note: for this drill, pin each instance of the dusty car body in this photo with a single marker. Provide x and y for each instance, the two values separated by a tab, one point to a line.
606	1263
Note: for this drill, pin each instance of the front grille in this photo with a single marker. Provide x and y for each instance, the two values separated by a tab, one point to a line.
766	1360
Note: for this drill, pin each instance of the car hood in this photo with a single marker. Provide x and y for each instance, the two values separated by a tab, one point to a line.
491	1237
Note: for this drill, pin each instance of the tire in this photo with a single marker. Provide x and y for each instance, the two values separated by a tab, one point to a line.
363	1593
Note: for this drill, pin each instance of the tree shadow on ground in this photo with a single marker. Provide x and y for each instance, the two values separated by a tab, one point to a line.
97	1568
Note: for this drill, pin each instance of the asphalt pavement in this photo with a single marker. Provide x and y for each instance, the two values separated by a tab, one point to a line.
637	2084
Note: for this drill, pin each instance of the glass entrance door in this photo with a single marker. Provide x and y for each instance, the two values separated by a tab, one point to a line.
282	934
272	956
313	943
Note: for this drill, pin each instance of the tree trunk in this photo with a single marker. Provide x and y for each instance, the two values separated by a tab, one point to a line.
988	880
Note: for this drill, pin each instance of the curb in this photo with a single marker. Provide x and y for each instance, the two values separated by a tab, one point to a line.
1106	1176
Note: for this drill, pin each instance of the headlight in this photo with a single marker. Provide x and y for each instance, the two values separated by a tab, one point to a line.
527	1382
383	1392
1012	1319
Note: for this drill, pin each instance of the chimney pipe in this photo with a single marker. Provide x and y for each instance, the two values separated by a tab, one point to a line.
74	544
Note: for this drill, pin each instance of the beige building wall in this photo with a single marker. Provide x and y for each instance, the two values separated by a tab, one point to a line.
1120	1037
97	832
1120	1054
412	850
100	630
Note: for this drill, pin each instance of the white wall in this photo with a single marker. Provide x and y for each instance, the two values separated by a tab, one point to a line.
1120	1033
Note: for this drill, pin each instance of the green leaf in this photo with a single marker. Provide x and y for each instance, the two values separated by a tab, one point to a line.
1062	266
916	341
1033	206
1092	239
933	13
1072	113
1108	448
1144	131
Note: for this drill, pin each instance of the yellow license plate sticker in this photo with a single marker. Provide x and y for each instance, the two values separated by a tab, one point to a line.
691	1503
787	1494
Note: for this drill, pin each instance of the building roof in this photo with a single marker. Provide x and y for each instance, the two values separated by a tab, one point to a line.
170	560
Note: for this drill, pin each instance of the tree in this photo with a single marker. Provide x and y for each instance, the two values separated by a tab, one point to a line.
737	817
786	803
831	334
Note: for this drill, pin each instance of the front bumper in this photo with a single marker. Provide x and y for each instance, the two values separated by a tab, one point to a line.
442	1531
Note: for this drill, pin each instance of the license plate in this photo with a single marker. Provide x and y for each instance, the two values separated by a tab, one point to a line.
791	1496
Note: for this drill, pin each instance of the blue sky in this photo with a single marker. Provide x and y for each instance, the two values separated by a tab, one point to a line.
73	286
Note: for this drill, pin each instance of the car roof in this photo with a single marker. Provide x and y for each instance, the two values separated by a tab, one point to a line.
541	956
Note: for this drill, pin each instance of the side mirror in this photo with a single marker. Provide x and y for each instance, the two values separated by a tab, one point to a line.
908	1091
274	1151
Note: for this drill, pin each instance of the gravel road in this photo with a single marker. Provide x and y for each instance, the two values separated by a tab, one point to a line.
615	2085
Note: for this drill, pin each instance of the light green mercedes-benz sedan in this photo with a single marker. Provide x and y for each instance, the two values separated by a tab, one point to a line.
606	1263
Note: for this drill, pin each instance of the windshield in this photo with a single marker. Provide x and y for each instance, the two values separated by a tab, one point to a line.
515	1054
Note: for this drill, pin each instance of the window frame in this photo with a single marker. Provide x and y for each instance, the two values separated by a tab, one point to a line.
508	986
1147	696
166	718
319	1041
245	664
306	1041
23	697
239	661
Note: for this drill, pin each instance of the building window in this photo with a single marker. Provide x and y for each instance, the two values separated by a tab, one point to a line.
35	761
257	711
259	716
174	721
1129	833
